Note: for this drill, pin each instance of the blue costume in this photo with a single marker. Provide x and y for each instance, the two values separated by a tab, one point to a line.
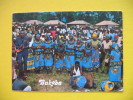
48	52
30	60
22	43
59	58
69	57
95	54
87	60
38	54
79	53
115	69
113	36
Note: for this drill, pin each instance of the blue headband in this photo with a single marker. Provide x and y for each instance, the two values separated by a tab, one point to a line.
38	35
88	41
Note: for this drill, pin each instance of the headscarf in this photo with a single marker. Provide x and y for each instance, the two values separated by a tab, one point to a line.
94	35
38	35
29	35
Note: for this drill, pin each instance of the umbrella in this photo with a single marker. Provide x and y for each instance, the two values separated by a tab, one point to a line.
33	22
106	22
78	22
54	22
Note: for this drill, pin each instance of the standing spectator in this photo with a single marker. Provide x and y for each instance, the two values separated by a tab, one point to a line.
106	44
22	44
38	47
53	32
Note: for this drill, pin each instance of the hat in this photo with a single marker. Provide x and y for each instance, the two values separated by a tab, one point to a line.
29	35
38	35
88	41
94	35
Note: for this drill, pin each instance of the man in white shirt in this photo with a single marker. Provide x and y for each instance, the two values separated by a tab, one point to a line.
106	44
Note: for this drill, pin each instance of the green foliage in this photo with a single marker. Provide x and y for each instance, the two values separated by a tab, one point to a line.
92	17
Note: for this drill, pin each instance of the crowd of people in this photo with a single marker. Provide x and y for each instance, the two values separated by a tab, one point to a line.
44	47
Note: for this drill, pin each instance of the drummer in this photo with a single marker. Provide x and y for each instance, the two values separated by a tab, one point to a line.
76	71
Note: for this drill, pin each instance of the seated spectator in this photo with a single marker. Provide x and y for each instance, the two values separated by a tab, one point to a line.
19	83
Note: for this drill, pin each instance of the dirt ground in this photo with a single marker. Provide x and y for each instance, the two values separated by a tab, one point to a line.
64	77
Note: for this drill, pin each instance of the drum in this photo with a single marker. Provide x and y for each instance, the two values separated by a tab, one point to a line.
81	81
90	81
107	86
78	82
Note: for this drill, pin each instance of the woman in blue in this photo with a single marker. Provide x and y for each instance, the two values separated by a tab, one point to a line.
59	56
38	47
87	60
69	56
115	63
48	52
30	59
79	52
95	51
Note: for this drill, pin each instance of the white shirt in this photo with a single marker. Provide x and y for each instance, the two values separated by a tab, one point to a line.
77	72
119	41
107	45
101	35
31	42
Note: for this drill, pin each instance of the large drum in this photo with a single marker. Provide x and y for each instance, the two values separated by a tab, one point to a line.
81	81
107	86
78	81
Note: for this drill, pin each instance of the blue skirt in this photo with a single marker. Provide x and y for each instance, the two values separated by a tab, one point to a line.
87	62
48	60
58	63
39	60
30	60
115	74
95	58
69	61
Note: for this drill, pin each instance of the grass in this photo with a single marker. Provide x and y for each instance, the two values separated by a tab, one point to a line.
33	81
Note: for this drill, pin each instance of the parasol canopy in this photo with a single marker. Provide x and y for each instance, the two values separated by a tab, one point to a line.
54	22
106	22
78	22
33	22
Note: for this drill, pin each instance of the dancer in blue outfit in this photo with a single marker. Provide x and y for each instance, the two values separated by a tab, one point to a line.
48	53
59	56
30	59
38	47
95	51
87	61
79	52
70	54
115	63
